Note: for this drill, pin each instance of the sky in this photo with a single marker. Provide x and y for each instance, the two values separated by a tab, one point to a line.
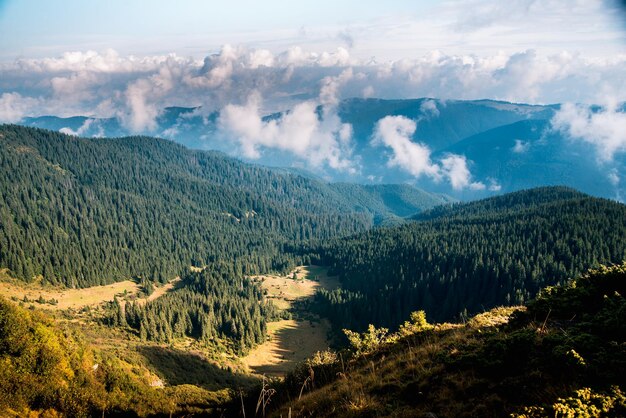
247	58
389	30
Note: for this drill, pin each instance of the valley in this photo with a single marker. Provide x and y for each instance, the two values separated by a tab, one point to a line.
349	209
89	252
291	341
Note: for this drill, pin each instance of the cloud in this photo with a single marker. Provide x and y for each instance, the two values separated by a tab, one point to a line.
429	108
455	169
520	146
302	131
14	106
244	84
395	132
80	131
329	92
604	128
89	83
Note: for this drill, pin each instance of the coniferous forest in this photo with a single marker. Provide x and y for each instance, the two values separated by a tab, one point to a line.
80	212
83	212
466	258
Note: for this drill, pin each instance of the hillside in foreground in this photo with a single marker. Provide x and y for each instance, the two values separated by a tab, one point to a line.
561	356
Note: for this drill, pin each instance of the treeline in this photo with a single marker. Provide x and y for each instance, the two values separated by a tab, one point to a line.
83	212
467	258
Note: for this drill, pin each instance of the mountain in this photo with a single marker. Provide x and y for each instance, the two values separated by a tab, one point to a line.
91	211
388	202
529	153
463	258
507	146
440	123
79	212
561	356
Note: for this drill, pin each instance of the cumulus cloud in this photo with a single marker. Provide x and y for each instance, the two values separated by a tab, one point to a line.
88	82
329	92
429	108
395	133
244	84
302	131
455	169
604	128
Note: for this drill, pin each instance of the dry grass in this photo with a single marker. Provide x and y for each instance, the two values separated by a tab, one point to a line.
291	341
75	298
302	283
161	290
404	379
67	298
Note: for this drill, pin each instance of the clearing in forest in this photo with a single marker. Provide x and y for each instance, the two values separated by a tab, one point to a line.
57	298
294	340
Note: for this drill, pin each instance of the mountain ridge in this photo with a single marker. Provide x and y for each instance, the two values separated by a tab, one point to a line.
507	146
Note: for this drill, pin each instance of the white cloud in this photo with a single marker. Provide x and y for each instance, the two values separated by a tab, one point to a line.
80	131
455	169
395	132
91	83
520	146
329	92
604	128
367	92
429	108
300	131
14	106
494	186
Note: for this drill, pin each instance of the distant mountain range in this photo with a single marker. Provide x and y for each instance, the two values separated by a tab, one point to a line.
508	146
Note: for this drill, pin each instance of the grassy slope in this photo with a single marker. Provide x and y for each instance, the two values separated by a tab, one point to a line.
562	356
54	368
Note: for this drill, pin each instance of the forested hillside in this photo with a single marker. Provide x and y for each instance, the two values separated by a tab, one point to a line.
81	212
465	258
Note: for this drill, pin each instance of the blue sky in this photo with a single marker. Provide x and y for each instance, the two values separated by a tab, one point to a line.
37	28
387	30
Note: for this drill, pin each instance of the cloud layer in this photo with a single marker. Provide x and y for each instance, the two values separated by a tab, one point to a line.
303	89
136	88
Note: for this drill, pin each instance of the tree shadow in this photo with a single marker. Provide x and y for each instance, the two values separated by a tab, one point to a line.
177	367
293	346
